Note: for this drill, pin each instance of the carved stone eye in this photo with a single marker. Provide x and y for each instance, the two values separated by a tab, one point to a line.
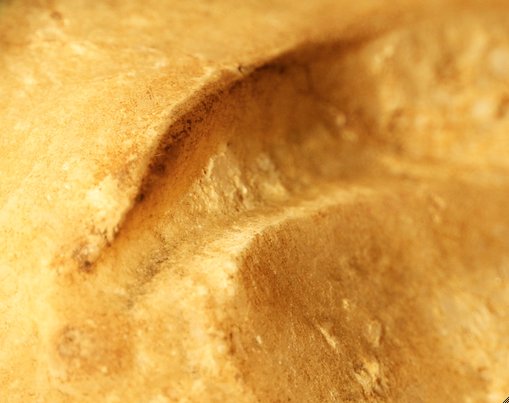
262	201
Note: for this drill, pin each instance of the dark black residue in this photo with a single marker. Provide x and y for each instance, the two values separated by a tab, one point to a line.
140	197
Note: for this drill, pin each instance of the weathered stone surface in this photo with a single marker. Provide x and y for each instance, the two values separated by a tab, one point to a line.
254	201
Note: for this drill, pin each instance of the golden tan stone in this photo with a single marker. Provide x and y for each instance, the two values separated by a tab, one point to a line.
254	201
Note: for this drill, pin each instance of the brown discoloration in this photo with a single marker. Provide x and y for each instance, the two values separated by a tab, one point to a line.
99	346
82	257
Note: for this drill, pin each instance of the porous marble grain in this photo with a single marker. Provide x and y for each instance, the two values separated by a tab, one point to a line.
254	201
